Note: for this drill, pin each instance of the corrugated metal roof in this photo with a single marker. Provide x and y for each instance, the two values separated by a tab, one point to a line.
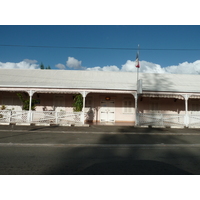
67	79
171	82
97	80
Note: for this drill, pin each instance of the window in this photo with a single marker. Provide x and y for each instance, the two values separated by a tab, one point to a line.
88	103
128	106
154	107
59	103
12	102
194	107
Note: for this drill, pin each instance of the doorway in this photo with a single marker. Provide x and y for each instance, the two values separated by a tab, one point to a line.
107	111
59	103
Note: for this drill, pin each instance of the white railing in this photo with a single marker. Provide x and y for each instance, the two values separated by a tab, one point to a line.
40	117
5	116
69	117
48	117
53	117
194	120
19	116
159	119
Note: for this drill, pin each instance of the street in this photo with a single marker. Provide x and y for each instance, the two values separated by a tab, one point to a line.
57	152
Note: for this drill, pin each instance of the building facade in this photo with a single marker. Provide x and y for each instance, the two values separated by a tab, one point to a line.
108	98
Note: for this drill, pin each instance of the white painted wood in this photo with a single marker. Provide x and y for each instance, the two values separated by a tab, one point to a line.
107	111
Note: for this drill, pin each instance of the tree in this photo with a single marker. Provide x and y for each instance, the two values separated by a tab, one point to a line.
78	103
26	102
41	66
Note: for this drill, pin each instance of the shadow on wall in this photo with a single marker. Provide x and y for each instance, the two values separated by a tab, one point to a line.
90	115
153	83
159	104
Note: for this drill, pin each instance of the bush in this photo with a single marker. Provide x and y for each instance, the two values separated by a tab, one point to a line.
78	103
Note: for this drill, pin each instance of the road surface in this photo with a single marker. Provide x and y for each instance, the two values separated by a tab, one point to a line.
99	151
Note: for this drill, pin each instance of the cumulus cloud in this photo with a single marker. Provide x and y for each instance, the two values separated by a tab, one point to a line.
60	66
74	63
95	69
145	67
111	68
105	68
181	68
185	68
148	67
25	64
128	66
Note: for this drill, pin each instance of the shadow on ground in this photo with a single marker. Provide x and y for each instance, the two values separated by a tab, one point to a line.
104	160
136	167
132	160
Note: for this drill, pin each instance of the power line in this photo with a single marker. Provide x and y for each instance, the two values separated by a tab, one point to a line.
100	48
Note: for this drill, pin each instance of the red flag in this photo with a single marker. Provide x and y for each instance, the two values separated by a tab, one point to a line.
137	63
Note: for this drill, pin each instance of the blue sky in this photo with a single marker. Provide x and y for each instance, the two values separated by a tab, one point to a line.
100	36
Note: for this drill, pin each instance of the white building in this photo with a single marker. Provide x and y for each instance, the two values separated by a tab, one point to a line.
108	97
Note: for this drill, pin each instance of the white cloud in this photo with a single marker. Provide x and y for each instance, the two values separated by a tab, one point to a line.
129	66
148	67
110	68
105	68
25	64
95	69
185	68
74	63
181	68
60	66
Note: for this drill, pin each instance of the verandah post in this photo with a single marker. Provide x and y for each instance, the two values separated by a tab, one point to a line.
56	116
186	121
31	92
136	113
83	109
10	116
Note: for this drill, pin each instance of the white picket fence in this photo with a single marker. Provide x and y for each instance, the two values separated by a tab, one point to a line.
159	119
5	116
43	117
194	120
53	117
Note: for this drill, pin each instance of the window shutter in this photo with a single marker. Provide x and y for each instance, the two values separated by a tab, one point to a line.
128	106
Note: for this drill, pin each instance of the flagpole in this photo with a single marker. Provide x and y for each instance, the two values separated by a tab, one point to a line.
138	61
136	96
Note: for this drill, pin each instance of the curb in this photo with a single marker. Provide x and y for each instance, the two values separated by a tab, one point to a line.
99	145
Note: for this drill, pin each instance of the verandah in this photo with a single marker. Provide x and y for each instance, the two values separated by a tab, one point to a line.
67	117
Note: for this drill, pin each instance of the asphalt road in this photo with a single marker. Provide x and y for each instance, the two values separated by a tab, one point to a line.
99	151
